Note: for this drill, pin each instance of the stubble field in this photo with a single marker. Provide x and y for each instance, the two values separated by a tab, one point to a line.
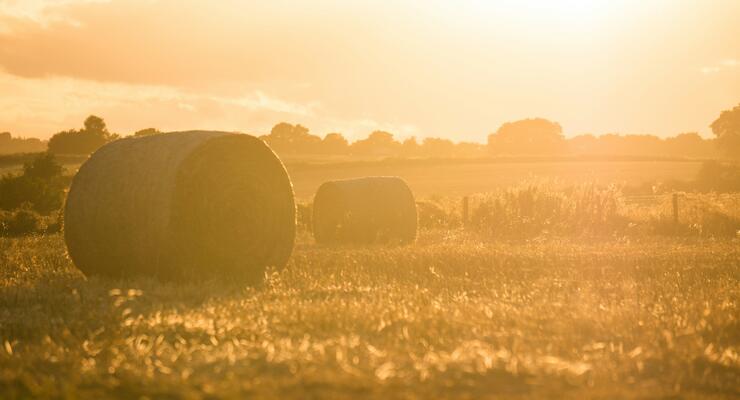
452	316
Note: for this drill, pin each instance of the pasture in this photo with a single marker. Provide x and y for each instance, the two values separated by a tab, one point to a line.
647	308
463	177
452	316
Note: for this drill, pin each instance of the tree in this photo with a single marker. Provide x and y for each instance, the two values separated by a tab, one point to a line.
95	124
727	130
84	141
536	136
378	143
410	147
335	143
147	132
438	147
288	138
10	144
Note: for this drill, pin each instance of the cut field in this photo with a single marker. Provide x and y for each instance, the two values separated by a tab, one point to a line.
460	177
452	316
463	177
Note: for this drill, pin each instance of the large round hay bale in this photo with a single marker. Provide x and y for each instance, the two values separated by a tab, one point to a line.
364	210
181	204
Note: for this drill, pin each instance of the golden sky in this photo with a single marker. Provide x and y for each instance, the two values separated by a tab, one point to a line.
455	69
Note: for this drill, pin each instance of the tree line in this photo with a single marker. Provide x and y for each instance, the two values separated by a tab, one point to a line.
13	145
537	136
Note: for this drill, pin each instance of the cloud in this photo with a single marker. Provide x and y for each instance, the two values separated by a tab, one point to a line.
723	65
185	43
34	109
268	61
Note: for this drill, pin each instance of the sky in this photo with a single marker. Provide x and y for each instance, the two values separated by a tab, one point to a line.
425	68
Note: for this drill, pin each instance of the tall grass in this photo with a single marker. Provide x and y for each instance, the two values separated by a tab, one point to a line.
537	209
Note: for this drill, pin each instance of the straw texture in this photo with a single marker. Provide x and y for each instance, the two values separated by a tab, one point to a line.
181	204
364	210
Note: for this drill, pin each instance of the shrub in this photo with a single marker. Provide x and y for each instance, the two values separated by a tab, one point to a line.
718	224
41	185
718	177
22	221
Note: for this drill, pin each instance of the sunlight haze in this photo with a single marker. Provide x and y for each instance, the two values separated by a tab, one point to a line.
414	68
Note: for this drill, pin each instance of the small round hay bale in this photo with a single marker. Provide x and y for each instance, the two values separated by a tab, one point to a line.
365	210
181	204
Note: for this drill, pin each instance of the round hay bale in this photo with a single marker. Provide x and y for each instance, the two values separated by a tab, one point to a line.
181	204
365	210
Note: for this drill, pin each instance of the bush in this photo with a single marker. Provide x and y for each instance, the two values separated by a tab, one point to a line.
718	177
41	185
22	221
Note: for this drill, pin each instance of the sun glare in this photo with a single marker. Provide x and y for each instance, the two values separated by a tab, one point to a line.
574	13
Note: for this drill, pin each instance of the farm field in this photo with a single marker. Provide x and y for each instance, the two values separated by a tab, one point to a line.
369	200
452	316
461	178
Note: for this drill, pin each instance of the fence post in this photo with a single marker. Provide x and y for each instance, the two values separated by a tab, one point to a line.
675	207
465	210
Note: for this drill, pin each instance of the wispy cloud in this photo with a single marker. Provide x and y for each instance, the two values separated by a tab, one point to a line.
722	65
39	11
34	109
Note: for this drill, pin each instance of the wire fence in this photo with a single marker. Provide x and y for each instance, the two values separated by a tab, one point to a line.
679	206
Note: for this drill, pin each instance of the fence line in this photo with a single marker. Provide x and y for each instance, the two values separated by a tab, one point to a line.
676	204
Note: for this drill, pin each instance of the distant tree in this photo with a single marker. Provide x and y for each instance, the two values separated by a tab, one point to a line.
288	138
691	145
470	149
147	132
438	147
84	141
727	130
95	124
335	143
410	147
9	144
536	136
378	143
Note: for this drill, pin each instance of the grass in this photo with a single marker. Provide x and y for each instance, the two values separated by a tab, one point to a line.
453	316
460	178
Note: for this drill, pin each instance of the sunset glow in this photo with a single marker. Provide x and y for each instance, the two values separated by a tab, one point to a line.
423	68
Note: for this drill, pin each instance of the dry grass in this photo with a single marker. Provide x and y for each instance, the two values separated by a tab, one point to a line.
449	317
540	209
459	178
